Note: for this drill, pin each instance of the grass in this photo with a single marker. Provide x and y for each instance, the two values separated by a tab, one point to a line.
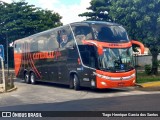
143	77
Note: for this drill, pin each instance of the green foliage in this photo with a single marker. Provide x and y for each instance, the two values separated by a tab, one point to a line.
99	10
143	78
18	20
148	69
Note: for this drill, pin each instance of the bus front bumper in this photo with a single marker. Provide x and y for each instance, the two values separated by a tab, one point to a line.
115	80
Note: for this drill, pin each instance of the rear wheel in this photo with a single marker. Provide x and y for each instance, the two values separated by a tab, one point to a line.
26	78
76	83
32	78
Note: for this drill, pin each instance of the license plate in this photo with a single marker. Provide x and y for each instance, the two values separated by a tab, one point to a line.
121	84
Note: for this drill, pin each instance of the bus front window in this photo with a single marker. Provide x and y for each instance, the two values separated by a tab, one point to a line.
116	60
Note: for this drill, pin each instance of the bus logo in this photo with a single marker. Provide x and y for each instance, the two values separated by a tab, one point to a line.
45	55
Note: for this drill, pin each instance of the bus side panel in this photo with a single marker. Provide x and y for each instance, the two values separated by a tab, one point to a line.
87	78
72	62
17	63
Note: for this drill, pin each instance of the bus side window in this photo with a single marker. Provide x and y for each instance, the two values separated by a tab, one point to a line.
83	33
17	48
34	46
65	37
42	43
52	43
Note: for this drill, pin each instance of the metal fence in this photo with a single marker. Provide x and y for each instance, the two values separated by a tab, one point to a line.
144	60
6	80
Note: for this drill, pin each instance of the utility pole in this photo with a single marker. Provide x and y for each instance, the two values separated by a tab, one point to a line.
3	75
7	54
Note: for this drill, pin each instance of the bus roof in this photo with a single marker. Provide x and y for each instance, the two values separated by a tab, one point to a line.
74	23
97	22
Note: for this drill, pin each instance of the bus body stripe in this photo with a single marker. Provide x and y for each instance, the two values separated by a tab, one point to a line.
32	63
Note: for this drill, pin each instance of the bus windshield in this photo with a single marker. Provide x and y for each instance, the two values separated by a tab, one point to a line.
116	59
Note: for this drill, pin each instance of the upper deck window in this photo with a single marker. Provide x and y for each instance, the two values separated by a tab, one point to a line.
82	32
102	32
106	33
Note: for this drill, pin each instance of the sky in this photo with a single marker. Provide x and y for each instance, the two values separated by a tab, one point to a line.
68	9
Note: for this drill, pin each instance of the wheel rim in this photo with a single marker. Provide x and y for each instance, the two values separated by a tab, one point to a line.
32	78
74	82
26	77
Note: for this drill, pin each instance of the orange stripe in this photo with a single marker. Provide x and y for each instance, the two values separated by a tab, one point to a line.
108	45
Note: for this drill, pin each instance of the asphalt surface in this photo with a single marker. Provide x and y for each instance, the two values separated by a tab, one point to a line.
148	102
52	97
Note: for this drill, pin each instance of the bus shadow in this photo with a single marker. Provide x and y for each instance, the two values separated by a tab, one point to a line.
83	89
121	103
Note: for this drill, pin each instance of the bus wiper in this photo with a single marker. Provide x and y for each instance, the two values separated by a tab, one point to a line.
118	61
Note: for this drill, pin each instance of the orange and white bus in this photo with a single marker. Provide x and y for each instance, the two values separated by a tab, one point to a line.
90	53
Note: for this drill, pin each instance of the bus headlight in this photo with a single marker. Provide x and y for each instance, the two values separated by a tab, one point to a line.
93	83
134	81
103	83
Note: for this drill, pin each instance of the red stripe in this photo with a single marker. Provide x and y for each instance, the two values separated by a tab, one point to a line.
32	63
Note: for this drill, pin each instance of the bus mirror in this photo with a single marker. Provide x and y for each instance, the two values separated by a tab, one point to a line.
139	44
91	42
100	50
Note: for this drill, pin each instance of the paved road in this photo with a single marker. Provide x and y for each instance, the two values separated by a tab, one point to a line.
51	97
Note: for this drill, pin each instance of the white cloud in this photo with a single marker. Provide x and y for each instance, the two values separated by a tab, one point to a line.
69	13
7	1
47	4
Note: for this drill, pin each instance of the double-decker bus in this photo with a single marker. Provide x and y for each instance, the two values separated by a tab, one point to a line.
90	53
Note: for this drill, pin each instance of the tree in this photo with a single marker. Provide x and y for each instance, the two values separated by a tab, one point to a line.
19	20
142	21
141	18
99	10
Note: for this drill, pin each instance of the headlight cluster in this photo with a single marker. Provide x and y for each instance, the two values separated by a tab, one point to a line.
114	78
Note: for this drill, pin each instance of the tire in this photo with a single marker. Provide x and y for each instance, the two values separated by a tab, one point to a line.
71	84
76	83
26	78
32	78
71	81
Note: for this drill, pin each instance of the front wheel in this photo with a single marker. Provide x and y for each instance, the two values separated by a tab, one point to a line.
76	82
32	78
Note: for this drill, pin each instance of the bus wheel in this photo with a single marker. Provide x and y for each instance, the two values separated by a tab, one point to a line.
26	78
76	82
32	78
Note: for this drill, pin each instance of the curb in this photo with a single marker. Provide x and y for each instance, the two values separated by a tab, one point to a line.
150	84
10	90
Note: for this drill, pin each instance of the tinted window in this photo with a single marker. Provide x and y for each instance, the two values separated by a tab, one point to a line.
18	47
82	32
65	37
34	46
106	33
52	41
